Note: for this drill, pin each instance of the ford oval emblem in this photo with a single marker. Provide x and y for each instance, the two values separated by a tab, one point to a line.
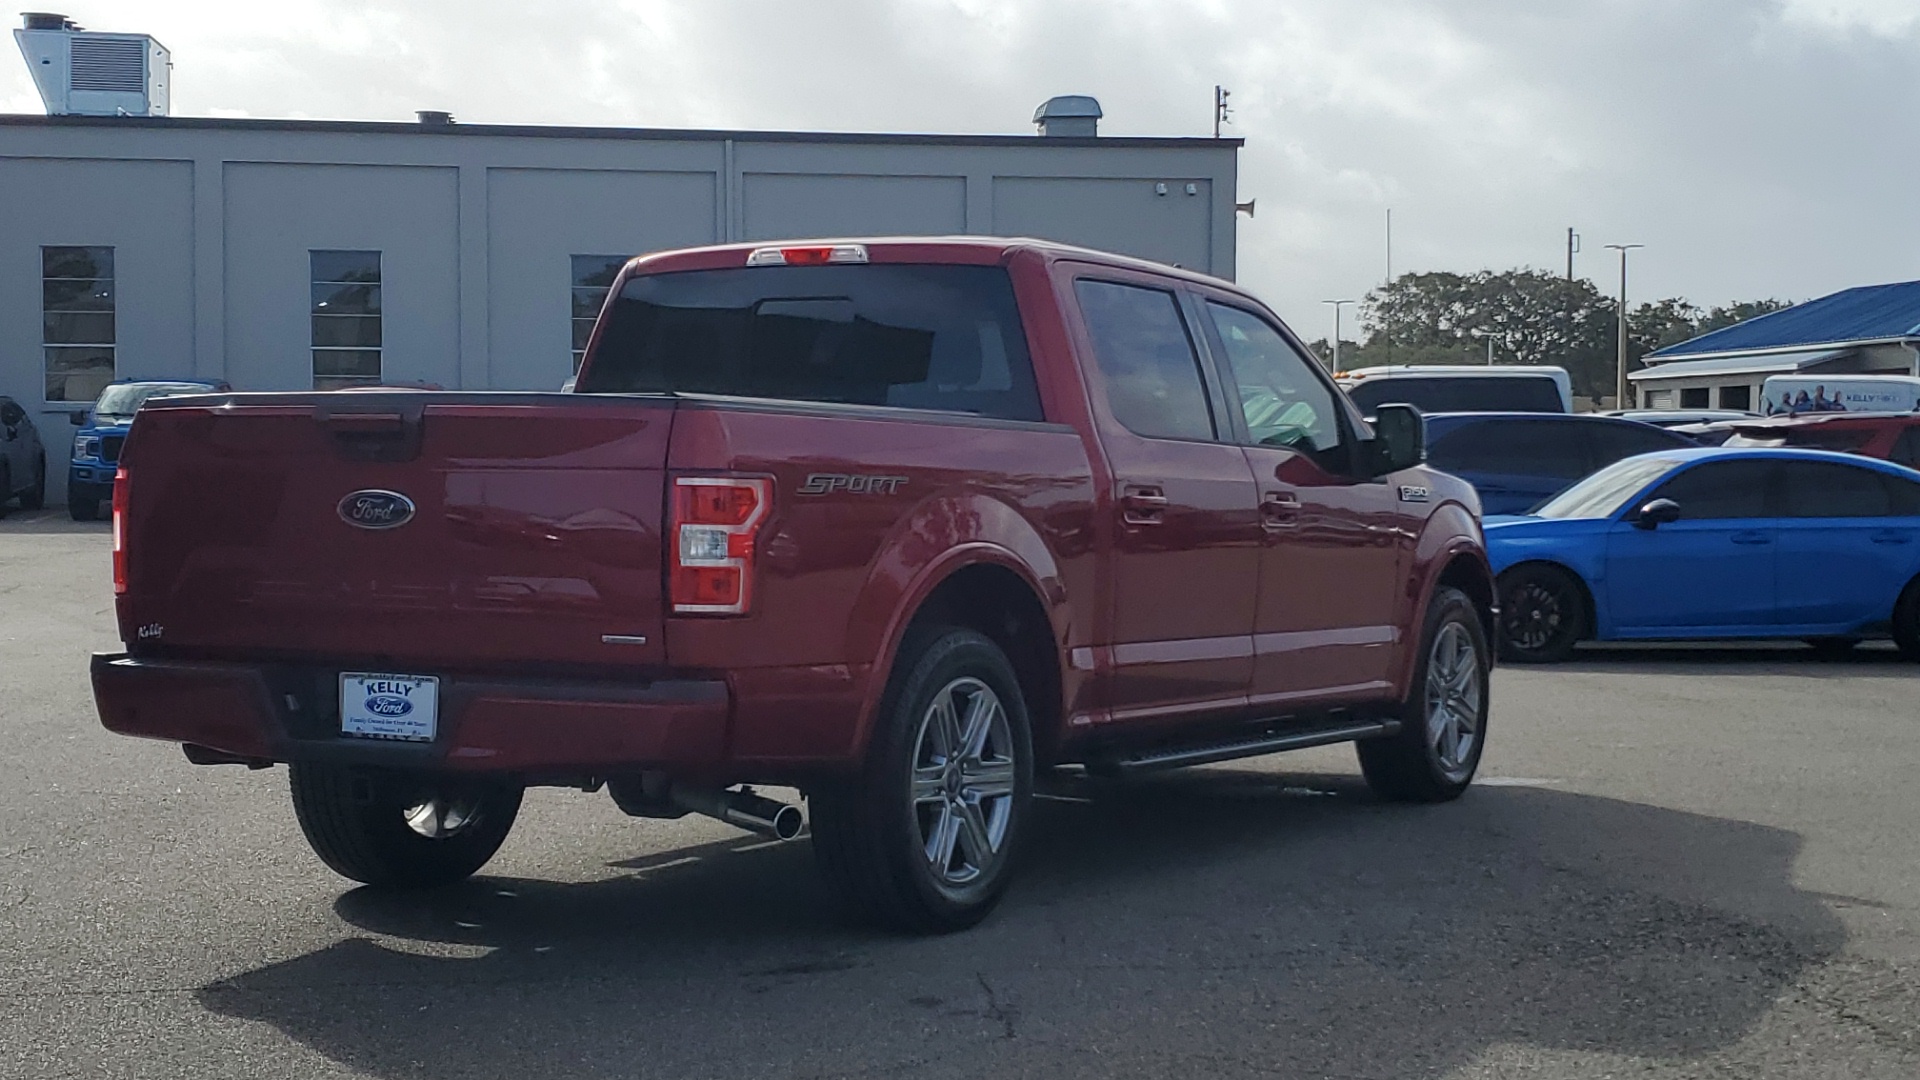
389	705
374	509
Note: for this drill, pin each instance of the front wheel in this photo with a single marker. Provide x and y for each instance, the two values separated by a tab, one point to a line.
924	839
1443	722
1543	614
82	503
400	832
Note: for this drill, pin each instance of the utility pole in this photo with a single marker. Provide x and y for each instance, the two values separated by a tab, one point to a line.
1222	112
1337	305
1388	328
1573	248
1620	369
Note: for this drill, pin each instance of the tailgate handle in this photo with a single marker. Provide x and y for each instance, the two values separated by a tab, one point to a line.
375	435
371	423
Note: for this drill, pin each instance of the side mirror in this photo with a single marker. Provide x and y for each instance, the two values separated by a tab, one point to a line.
1657	513
1399	440
77	419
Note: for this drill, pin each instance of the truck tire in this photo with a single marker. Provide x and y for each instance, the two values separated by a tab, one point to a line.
35	497
924	839
1906	621
395	832
1443	722
1543	614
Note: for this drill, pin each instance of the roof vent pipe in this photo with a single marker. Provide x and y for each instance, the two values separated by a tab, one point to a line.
434	118
1069	116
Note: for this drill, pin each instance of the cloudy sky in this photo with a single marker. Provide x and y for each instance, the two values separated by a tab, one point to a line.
1757	147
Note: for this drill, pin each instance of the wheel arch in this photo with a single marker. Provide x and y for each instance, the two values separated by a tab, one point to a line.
1587	597
997	577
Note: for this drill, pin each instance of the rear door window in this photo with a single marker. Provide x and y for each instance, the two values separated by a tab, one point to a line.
1146	357
1611	442
1467	393
913	336
1818	489
1538	448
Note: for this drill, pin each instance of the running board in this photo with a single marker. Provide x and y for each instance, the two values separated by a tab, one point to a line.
1270	743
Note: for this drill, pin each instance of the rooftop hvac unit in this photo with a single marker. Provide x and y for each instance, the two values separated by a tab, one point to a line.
82	73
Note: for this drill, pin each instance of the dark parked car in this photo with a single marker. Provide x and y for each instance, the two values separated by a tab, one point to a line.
1519	460
23	461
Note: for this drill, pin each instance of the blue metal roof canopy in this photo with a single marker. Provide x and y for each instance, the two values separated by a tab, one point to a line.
1858	316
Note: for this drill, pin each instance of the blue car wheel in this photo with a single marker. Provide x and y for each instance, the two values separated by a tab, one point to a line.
1543	614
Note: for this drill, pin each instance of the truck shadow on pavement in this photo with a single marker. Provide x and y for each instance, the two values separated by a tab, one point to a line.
1219	922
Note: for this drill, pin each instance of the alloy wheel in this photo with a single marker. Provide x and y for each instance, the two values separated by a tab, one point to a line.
1454	697
440	817
963	781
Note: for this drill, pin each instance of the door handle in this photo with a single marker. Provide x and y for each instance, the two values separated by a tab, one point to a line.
1751	537
1280	510
1890	537
1143	505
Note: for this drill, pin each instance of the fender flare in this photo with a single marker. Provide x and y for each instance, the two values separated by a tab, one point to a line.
911	566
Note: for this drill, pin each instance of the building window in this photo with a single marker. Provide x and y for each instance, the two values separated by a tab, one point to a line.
346	319
592	276
1693	397
1736	397
1659	399
76	306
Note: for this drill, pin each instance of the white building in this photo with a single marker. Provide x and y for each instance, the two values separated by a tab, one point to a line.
279	255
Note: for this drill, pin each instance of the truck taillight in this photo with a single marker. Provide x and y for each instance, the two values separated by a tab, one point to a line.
120	531
715	523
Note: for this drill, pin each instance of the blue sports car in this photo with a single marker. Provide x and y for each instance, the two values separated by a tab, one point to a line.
1715	543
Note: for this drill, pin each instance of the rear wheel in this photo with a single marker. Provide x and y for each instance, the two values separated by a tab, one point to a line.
1443	722
1543	614
395	831
924	839
35	497
1906	621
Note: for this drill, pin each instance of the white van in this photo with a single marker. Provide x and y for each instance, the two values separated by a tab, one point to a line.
1439	388
1792	394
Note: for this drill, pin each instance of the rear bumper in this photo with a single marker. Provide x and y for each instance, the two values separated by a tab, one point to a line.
268	713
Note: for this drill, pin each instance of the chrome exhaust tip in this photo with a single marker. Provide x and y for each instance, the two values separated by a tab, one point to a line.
743	809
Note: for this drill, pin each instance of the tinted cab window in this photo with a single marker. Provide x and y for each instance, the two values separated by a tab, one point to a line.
1611	442
1510	447
1818	489
1467	393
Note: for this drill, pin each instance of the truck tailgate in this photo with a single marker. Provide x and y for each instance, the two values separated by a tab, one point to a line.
527	531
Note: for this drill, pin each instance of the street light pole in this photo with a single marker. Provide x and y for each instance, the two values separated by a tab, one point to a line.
1620	365
1337	305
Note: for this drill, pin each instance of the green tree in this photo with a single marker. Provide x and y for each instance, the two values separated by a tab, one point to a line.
1531	317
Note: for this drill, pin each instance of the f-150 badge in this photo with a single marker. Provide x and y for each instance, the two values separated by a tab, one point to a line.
1413	493
826	483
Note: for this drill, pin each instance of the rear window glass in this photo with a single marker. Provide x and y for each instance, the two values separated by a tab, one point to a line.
1541	448
1468	393
923	337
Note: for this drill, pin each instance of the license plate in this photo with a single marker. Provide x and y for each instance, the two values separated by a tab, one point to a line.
377	706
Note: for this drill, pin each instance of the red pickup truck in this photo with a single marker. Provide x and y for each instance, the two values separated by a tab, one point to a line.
894	522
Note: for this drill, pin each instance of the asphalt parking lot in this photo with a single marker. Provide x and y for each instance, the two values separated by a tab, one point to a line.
1681	863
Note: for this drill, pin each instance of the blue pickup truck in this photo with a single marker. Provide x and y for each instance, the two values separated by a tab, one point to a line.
103	428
